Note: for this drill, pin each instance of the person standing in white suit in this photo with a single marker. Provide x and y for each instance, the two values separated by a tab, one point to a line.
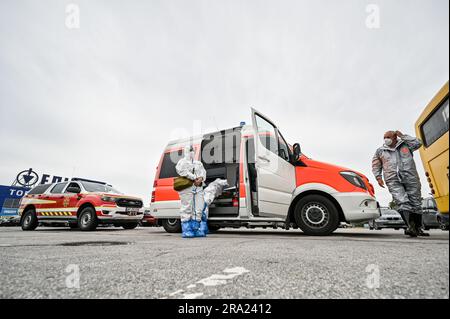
192	201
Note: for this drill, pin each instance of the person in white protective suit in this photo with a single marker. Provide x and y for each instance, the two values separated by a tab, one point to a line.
192	202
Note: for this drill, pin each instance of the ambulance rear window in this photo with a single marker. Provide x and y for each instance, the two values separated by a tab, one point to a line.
40	189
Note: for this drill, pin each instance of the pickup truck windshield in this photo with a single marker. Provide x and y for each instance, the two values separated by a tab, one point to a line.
101	188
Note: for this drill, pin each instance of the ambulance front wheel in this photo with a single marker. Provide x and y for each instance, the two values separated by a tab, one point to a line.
316	215
29	220
172	225
87	219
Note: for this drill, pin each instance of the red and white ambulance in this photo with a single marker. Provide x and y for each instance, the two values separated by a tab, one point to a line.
81	203
272	184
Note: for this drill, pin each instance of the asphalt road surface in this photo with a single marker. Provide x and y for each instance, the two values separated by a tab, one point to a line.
150	263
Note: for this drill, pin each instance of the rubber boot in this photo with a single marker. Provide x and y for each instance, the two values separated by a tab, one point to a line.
419	226
412	229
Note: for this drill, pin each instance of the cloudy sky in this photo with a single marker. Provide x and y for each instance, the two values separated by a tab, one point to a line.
102	100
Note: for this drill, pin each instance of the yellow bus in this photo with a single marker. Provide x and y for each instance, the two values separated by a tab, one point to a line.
432	128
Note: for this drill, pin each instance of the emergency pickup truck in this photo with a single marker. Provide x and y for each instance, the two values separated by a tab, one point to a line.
81	203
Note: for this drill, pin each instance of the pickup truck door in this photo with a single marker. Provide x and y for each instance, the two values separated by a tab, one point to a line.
275	173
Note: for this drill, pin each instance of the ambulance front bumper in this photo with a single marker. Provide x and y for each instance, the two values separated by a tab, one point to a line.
358	207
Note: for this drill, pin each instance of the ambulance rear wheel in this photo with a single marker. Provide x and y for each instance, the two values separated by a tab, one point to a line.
87	219
29	220
316	215
172	225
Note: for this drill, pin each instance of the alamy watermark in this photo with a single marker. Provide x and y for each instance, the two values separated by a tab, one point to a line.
373	278
72	16
373	18
73	277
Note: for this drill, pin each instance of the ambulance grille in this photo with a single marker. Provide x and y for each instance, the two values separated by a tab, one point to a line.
125	202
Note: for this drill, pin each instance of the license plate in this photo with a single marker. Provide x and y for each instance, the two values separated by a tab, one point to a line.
131	211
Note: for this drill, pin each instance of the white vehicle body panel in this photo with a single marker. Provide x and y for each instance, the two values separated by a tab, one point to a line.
276	176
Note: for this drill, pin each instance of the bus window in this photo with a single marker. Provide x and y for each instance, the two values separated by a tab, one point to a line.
436	125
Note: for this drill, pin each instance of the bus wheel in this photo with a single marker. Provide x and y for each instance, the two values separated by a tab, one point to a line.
172	225
316	215
87	220
29	220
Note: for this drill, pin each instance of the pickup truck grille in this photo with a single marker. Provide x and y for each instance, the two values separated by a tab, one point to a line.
125	202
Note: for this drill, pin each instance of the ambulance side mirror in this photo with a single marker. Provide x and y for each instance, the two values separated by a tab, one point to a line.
296	149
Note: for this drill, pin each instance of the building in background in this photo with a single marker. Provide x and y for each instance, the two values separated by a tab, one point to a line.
24	181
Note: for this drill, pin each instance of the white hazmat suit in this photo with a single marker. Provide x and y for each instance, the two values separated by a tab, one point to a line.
192	202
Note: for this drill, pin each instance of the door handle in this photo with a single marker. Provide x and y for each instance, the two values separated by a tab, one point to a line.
263	158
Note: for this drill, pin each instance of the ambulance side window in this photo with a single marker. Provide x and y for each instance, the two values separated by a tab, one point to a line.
267	135
58	188
284	148
169	162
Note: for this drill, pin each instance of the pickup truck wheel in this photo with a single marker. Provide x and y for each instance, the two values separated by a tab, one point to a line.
87	219
316	215
172	225
29	220
130	225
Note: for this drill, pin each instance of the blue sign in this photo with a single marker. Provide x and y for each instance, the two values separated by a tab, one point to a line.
9	199
29	178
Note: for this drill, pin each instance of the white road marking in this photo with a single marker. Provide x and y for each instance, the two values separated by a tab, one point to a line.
193	296
213	280
221	279
176	292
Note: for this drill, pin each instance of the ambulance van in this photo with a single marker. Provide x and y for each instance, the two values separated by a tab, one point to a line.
271	183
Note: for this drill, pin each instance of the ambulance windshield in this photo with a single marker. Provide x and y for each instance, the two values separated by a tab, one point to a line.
99	188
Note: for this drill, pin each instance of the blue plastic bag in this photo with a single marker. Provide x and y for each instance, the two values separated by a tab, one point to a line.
191	229
204	223
186	229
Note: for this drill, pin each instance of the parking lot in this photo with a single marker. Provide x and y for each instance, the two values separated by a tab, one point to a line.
150	263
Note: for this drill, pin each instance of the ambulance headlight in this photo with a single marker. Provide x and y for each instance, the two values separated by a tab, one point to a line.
109	199
354	179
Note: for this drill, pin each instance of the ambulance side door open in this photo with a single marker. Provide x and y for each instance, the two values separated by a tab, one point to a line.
275	173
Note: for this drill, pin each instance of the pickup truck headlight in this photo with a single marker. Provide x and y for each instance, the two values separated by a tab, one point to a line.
354	179
109	199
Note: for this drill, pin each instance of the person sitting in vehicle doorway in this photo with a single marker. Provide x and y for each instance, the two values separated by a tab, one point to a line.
191	197
395	160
